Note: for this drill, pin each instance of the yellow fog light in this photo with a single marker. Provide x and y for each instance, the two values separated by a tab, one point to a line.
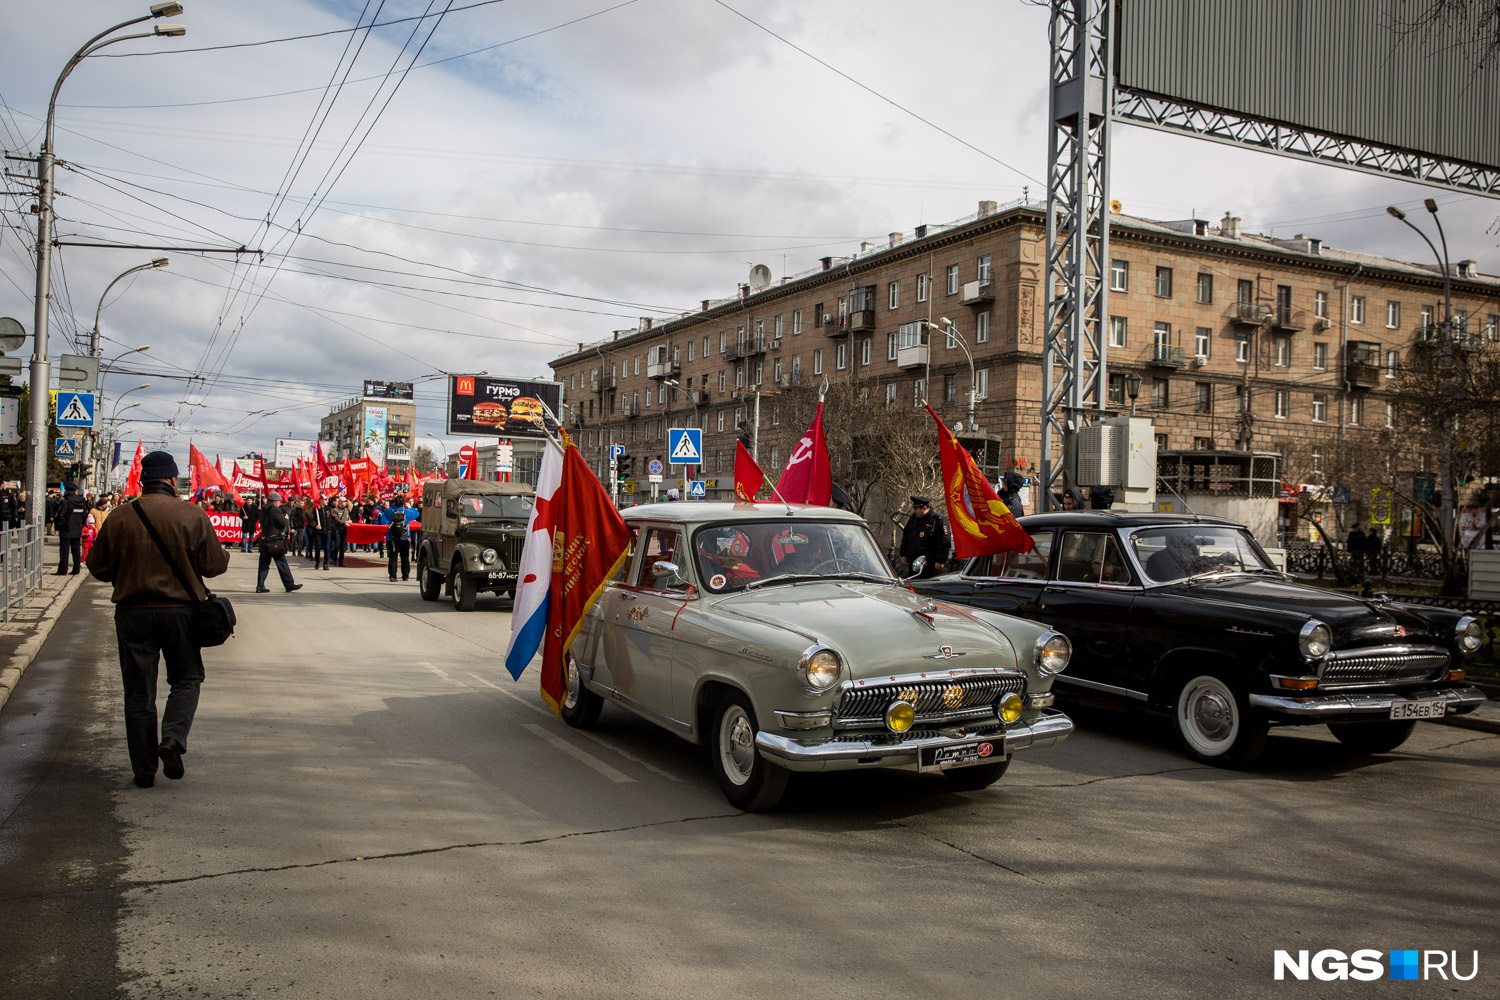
900	716
1010	707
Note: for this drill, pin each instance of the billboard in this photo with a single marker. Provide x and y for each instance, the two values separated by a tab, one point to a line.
374	437
375	389
500	407
289	450
1356	71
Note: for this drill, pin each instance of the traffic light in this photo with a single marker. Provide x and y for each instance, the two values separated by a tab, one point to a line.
622	467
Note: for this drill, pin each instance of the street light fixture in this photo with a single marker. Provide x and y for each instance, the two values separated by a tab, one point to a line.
945	326
1133	389
41	369
442	446
86	461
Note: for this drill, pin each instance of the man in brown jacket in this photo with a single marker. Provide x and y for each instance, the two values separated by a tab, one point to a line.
154	614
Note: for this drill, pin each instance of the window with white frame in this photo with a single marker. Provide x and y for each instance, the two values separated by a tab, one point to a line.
760	329
760	369
661	395
924	283
739	376
1320	304
690	350
721	420
1283	352
637	364
1161	393
950	388
723	340
864	352
706	351
1283	403
1205	287
950	338
952	275
1461	320
776	325
840	356
890	347
890	394
919	392
796	363
1320	407
1392	315
1164	282
796	322
776	370
982	328
1162	338
982	384
1392	364
721	380
1492	328
982	267
818	361
1202	338
1317	460
893	295
1356	410
1320	355
1119	275
1357	309
1427	315
1118	326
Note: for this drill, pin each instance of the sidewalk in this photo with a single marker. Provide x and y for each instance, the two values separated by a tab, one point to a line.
22	637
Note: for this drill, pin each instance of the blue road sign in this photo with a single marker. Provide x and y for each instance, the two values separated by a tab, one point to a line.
75	409
615	451
695	489
685	446
65	448
654	467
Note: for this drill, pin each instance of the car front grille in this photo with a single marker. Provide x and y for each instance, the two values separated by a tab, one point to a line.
510	552
938	701
996	730
1377	665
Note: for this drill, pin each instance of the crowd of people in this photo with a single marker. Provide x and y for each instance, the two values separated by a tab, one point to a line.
318	530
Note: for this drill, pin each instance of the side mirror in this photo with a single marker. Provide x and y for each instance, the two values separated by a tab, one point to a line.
917	566
662	569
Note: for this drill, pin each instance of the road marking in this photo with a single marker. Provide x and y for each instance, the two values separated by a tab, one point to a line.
437	671
582	755
580	732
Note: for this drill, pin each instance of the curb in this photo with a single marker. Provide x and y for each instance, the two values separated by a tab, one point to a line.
10	674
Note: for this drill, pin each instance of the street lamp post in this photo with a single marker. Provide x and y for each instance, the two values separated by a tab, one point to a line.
443	446
946	328
1133	389
86	460
41	371
1445	334
92	462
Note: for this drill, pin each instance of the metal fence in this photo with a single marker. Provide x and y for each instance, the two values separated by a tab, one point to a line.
21	560
1422	565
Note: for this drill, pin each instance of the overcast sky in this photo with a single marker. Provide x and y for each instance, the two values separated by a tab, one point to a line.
546	172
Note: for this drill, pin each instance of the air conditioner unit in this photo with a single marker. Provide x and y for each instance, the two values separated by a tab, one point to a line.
828	319
1322	322
1199	361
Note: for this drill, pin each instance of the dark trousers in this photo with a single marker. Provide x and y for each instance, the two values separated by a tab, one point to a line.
143	635
315	546
247	535
281	567
334	548
401	547
65	546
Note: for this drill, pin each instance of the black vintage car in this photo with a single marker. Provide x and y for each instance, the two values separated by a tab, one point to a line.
1188	616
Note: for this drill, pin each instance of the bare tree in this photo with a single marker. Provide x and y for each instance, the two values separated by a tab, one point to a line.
1470	26
423	460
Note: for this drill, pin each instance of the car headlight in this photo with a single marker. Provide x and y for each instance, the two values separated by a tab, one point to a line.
899	716
819	669
1009	707
1053	650
488	556
1469	634
1314	640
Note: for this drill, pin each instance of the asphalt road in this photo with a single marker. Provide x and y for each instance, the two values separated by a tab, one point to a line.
373	809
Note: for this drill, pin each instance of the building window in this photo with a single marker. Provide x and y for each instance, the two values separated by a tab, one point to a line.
776	370
1283	352
1161	442
890	394
1201	338
950	388
1163	337
1461	320
1320	355
840	357
796	364
705	346
982	267
1245	291
1203	444
723	340
924	281
890	347
950	338
760	368
1320	407
864	352
1492	328
1283	403
1426	316
818	361
739	376
796	322
721	420
1392	364
1317	460
919	392
1164	282
1357	309
1117	331
893	295
952	279
1205	287
1119	275
760	330
690	350
1203	397
1161	393
1392	315
721	380
1116	393
982	384
1356	410
1320	305
982	328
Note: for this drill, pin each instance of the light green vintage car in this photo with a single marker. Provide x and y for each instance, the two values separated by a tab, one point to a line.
777	636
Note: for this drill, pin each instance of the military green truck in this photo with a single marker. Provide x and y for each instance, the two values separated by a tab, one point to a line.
472	535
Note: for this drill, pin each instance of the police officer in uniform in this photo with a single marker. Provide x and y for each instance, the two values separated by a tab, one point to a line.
926	534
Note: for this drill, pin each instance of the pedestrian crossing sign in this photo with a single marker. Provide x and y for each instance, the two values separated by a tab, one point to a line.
75	409
685	446
695	489
65	448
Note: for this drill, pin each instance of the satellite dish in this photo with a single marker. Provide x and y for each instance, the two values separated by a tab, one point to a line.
760	276
12	334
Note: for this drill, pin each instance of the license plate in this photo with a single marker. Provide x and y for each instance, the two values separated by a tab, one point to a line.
963	755
1429	708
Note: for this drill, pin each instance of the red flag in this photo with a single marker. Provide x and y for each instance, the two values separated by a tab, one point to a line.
748	477
202	475
808	477
589	543
981	523
468	460
322	468
133	481
265	486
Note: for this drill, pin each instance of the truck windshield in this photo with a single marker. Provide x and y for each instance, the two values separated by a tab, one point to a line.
490	505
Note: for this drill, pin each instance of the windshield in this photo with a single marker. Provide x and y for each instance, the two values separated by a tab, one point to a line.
492	505
731	556
1183	551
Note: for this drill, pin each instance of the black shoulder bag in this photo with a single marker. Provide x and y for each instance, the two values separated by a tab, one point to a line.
213	617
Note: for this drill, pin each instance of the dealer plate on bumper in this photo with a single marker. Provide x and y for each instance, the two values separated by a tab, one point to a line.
1425	708
962	755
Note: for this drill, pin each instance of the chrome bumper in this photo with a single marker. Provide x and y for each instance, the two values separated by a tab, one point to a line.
1459	699
825	754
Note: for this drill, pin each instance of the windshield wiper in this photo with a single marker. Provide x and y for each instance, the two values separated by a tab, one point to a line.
861	575
784	578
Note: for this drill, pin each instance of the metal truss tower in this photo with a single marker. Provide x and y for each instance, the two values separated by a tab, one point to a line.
1076	291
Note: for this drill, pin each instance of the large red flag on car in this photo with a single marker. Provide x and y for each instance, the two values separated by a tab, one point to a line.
133	481
590	540
979	520
748	477
808	477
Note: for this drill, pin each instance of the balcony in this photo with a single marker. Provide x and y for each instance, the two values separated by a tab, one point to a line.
1288	318
1360	374
914	356
751	346
1248	313
662	369
789	379
861	320
628	409
1432	336
602	383
1166	356
977	293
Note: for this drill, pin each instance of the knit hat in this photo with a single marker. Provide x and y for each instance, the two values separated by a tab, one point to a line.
158	465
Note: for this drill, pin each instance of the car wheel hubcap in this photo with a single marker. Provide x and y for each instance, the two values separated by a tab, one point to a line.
736	745
1208	715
